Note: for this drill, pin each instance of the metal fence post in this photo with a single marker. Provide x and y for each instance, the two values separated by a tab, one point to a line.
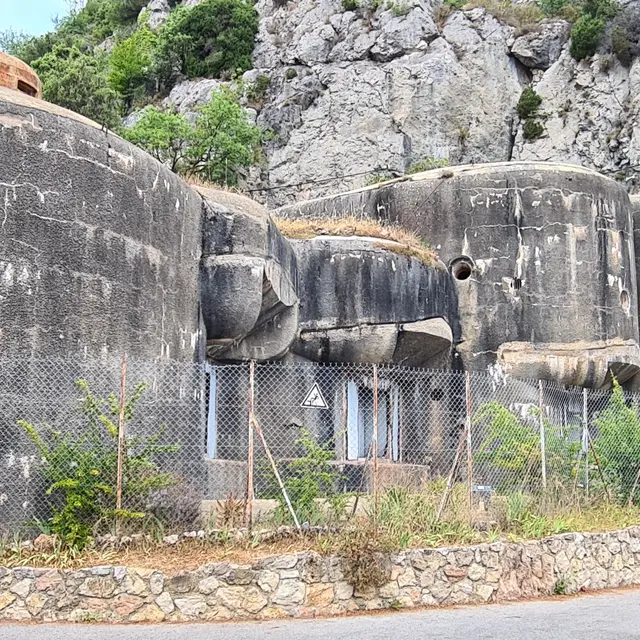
374	442
585	439
249	496
469	450
543	448
121	443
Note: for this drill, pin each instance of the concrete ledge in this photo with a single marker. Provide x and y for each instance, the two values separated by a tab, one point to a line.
307	584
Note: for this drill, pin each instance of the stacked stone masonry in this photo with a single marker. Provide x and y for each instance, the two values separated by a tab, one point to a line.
307	584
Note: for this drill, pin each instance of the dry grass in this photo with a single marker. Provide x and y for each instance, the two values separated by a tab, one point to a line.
405	520
520	16
408	243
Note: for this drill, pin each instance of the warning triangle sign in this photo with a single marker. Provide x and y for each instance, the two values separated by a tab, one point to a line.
314	399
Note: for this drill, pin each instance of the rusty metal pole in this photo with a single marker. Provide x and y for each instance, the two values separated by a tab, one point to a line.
374	443
469	449
543	446
121	438
248	516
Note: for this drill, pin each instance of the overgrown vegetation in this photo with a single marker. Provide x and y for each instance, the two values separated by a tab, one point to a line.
104	60
306	228
215	148
309	479
80	469
427	164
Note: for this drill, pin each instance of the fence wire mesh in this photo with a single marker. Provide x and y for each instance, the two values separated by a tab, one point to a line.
318	431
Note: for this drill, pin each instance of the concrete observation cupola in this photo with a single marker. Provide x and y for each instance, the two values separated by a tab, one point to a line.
17	75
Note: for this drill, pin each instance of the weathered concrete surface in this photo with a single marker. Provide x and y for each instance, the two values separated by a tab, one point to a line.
99	243
548	251
307	584
248	280
358	293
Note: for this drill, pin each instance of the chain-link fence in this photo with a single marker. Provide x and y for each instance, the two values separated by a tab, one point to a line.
183	437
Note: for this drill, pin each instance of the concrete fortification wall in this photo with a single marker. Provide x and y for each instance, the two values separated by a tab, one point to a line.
99	243
542	255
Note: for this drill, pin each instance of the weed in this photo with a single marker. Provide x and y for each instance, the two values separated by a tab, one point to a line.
560	587
291	73
364	565
230	512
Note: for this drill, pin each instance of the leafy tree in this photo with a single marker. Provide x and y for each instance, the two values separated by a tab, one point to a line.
221	141
130	64
210	39
164	135
224	140
78	81
513	446
12	41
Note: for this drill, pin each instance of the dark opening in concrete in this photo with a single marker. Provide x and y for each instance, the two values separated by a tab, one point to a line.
462	268
625	300
27	88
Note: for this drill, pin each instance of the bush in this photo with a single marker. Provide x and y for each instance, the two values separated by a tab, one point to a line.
585	36
78	81
208	40
82	468
552	8
130	64
620	46
528	103
350	5
618	444
532	130
309	478
400	8
257	91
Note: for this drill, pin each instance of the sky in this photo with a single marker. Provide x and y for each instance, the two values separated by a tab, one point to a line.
32	16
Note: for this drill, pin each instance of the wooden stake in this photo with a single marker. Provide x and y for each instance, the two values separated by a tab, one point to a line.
600	472
543	447
121	438
374	443
469	449
248	515
274	468
454	466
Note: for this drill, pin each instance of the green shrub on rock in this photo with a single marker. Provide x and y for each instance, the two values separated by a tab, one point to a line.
532	130
585	36
528	104
213	38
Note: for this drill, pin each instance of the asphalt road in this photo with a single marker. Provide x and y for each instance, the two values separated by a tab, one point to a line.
607	616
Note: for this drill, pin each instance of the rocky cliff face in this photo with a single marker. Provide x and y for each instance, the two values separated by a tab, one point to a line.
357	94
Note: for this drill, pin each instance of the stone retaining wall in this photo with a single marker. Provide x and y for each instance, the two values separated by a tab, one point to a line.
307	584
